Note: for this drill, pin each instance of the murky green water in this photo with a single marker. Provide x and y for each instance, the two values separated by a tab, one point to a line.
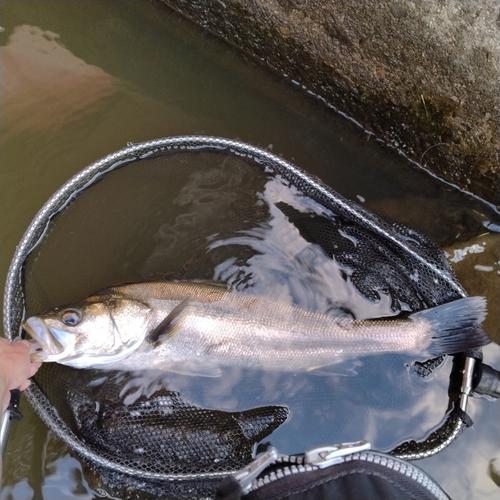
82	79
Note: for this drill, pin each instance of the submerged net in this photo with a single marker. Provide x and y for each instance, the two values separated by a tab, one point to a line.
208	208
159	433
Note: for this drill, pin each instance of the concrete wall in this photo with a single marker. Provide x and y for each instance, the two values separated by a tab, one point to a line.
423	75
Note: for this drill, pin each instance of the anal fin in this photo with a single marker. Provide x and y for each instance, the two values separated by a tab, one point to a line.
346	368
194	369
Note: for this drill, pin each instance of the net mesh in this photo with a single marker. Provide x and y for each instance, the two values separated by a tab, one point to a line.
112	223
160	433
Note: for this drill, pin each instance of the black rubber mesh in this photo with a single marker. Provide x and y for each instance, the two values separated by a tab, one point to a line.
160	432
95	243
375	268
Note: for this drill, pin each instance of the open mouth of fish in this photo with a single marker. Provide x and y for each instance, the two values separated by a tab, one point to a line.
48	345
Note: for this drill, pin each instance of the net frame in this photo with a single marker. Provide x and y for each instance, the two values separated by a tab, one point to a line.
14	308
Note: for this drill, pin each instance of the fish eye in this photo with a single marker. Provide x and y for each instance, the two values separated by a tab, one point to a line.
71	317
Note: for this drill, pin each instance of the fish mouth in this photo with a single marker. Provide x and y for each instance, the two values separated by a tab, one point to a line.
39	331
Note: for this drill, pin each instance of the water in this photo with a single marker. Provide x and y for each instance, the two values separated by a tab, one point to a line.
156	75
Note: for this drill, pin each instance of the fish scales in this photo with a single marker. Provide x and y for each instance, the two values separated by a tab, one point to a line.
196	328
260	333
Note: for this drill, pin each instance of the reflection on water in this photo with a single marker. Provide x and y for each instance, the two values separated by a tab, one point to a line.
474	450
478	265
287	267
168	79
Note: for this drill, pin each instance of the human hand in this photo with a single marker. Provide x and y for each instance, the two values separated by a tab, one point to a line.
15	368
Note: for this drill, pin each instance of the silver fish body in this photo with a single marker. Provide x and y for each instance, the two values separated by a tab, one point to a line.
195	328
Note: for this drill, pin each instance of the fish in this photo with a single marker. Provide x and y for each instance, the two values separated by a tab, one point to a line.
164	432
196	328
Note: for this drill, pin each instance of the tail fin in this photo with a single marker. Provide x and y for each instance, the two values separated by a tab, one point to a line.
455	326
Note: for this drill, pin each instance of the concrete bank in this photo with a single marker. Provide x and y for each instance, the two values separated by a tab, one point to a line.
423	75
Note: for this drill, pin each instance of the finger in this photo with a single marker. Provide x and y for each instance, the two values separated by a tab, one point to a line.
34	366
20	346
25	385
26	345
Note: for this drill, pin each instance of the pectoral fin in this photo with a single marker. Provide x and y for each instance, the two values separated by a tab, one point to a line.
169	325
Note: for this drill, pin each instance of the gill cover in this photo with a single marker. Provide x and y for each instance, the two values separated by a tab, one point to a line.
111	328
